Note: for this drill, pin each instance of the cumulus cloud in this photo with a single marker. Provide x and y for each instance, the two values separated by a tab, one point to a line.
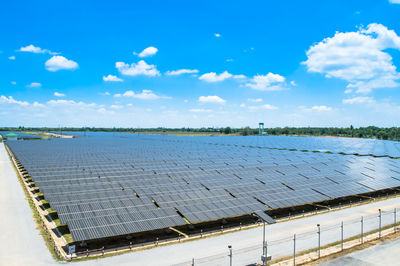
115	106
57	94
11	100
269	82
112	78
394	1
200	110
211	99
34	85
181	71
140	68
149	51
265	107
358	100
321	108
70	103
255	100
144	95
359	58
11	57
214	77
59	62
13	82
36	50
217	35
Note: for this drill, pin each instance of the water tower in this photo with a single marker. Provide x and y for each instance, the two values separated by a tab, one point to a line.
260	129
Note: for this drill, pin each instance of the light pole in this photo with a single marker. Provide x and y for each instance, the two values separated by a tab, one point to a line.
230	255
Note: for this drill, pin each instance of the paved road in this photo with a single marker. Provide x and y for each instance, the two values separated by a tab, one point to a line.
21	243
385	253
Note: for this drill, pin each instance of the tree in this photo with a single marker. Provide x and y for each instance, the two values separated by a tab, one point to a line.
246	131
227	130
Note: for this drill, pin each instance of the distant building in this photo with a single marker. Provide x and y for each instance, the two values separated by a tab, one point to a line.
11	136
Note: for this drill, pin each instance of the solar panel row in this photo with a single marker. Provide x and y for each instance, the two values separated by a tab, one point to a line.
105	185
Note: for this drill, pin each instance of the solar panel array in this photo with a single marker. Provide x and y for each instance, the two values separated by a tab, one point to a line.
108	185
355	146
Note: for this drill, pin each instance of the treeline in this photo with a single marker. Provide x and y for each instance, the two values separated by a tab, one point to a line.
392	133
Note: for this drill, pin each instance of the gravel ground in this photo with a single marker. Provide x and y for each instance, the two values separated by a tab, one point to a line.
21	243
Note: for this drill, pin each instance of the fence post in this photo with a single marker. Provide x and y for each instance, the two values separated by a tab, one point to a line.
319	241
193	262
341	226
294	249
394	218
380	222
362	229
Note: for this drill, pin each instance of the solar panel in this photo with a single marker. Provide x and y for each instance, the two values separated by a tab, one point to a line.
107	185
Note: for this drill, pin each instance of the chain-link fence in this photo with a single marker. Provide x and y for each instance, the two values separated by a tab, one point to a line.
310	245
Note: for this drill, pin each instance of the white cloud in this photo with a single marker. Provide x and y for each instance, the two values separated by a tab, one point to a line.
107	93
115	106
255	100
239	76
140	68
112	78
347	91
211	99
144	95
293	83
149	51
321	108
57	94
36	50
11	57
359	58
358	100
243	105
269	82
217	35
181	71
214	77
13	82
59	62
70	103
265	106
200	110
34	85
229	60
394	1
36	104
11	100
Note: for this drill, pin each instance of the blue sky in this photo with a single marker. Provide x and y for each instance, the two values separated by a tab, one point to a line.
200	63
